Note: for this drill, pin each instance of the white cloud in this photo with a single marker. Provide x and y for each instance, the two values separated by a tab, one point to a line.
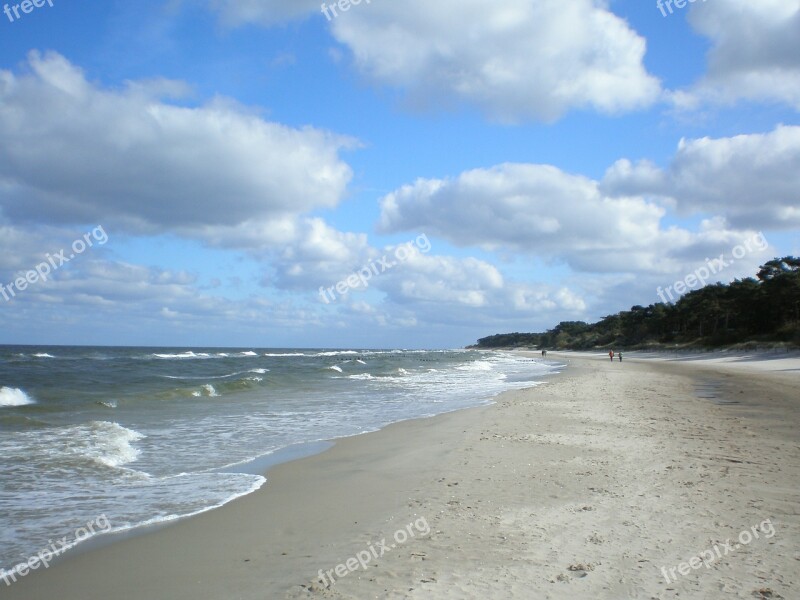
625	178
535	300
319	255
442	280
73	152
751	180
755	52
459	291
516	60
94	295
535	210
538	210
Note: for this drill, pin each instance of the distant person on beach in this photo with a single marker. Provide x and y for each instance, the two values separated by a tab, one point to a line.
611	355
620	356
544	353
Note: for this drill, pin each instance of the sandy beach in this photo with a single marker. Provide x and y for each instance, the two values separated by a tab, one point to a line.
647	479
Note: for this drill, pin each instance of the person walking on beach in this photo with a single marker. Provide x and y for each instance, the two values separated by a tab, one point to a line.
619	354
611	355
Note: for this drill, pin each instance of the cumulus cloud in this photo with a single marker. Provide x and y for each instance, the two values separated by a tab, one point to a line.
422	288
534	209
94	294
516	60
539	210
751	180
755	53
457	291
625	178
443	280
319	255
74	152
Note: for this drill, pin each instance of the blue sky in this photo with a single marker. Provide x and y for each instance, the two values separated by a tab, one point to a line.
562	159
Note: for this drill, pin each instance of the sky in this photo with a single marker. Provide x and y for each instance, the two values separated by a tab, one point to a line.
388	173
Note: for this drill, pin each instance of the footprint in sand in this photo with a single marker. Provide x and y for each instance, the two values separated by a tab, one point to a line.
764	593
595	539
575	571
580	569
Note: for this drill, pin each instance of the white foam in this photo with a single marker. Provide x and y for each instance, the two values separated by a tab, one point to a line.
256	482
335	368
116	448
104	442
228	376
208	390
183	355
478	365
43	355
14	397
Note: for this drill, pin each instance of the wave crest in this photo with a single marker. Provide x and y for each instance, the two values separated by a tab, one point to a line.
14	397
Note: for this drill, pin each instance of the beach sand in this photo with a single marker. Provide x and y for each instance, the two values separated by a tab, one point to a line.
593	485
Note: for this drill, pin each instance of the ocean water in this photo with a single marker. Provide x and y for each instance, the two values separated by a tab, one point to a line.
147	435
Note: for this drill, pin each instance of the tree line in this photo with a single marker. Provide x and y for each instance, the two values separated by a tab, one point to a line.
760	309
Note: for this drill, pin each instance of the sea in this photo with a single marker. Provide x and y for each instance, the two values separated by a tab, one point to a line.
141	436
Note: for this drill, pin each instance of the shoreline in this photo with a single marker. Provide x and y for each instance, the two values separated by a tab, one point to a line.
129	523
260	466
500	484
